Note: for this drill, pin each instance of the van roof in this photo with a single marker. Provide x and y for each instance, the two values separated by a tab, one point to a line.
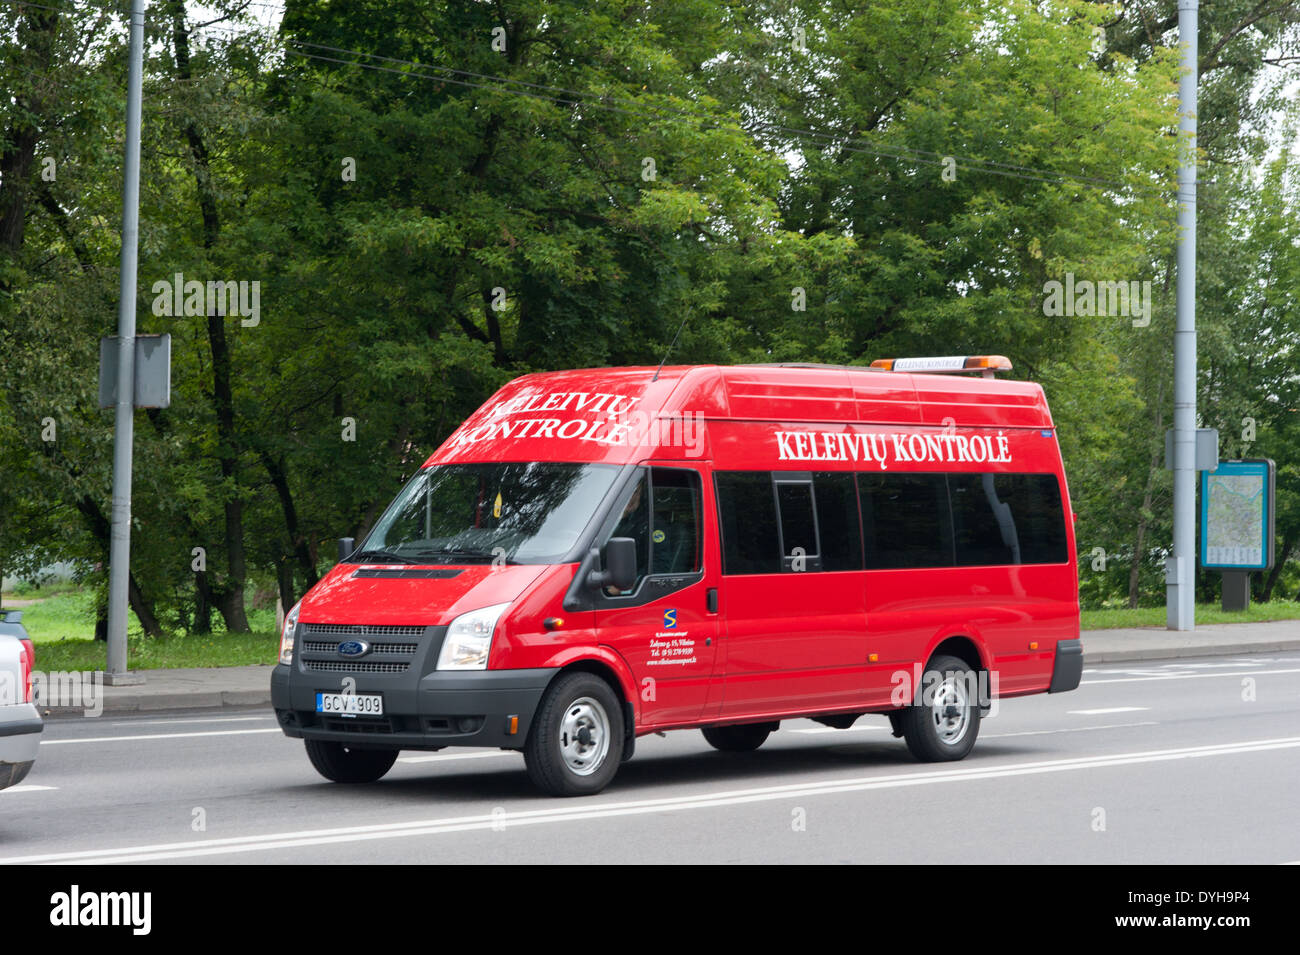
786	393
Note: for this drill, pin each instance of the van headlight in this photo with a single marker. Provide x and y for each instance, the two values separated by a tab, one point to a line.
287	635
469	638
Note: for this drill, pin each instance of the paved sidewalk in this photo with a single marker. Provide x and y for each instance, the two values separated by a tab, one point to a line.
245	687
1207	640
200	688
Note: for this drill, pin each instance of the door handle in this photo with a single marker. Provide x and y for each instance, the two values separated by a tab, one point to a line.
711	600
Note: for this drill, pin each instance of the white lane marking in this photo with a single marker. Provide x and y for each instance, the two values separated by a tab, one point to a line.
1161	668
27	788
1070	729
1107	709
1172	667
1187	676
124	739
224	719
421	827
439	757
831	729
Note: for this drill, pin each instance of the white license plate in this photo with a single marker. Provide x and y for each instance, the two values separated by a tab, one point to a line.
350	704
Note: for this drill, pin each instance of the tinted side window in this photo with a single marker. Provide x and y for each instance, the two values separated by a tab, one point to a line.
983	527
1035	502
675	522
905	520
747	514
837	520
1007	519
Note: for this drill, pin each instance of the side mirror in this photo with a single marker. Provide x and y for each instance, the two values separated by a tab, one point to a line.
346	546
620	565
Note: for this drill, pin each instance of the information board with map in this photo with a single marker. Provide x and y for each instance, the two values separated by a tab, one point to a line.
1237	515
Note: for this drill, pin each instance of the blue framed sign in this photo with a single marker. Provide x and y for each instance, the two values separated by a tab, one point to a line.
1237	515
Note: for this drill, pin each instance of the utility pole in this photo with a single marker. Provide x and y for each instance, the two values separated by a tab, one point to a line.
119	560
1180	572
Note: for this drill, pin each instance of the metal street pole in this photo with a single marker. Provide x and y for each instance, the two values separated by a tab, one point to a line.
119	560
1180	596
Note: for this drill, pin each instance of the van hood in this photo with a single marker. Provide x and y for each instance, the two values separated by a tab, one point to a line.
410	595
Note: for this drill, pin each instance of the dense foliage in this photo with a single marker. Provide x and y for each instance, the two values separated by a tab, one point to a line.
434	197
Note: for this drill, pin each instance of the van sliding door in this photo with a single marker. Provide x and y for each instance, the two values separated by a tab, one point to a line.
794	606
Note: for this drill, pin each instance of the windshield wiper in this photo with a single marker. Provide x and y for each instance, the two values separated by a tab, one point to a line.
379	556
452	552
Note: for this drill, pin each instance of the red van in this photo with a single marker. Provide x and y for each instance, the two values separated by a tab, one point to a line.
597	555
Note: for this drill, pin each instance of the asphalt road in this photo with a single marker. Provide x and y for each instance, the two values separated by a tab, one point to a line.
1157	763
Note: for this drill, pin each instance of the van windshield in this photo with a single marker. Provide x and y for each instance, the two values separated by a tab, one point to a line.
529	513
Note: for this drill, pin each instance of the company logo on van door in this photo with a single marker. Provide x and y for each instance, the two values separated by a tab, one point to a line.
887	449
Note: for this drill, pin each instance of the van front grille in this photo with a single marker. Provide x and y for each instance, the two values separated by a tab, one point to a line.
359	630
358	666
393	649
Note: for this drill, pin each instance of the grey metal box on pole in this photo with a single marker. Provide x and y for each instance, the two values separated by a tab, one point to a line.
153	371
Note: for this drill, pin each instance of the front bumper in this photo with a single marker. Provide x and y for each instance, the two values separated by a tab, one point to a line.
1068	668
445	708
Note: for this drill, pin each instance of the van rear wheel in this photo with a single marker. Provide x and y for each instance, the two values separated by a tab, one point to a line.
576	741
943	719
738	739
344	764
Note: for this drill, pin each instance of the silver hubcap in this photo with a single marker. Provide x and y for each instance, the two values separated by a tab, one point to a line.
584	736
950	712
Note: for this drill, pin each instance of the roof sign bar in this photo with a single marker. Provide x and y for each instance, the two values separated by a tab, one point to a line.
986	365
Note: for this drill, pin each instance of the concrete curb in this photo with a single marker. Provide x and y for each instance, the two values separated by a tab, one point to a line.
213	702
1212	650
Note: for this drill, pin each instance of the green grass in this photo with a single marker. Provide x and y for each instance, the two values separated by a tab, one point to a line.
65	615
26	590
211	650
70	615
1205	613
63	629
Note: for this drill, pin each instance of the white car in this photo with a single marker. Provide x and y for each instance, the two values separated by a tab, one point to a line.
20	723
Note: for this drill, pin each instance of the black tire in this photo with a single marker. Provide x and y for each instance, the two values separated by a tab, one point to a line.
938	726
560	761
343	764
737	739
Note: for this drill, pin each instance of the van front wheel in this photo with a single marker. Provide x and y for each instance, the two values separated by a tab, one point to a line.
944	717
343	764
576	741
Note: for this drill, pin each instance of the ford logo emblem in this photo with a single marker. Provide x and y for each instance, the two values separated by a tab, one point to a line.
354	648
